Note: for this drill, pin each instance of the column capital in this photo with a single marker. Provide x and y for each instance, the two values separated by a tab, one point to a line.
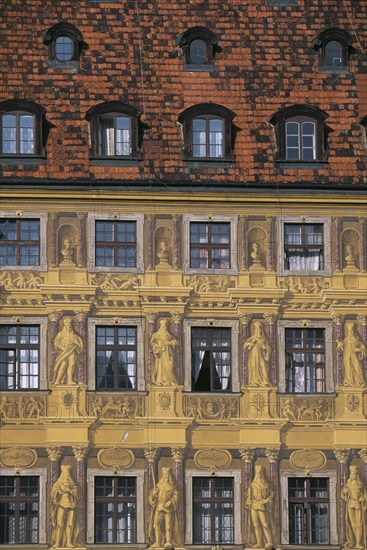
342	455
81	315
80	215
80	452
271	318
151	316
338	318
176	217
177	318
362	220
247	455
152	453
54	215
246	318
178	453
272	455
363	454
362	318
54	453
270	219
54	316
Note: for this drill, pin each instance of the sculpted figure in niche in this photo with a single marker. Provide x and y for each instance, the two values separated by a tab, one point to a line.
68	346
350	256
163	346
259	499
255	254
354	494
354	351
64	501
164	499
67	251
259	349
163	252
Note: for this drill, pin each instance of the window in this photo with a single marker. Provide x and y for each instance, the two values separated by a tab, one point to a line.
19	509
23	129
65	44
116	361
208	132
114	131
199	46
334	47
211	359
308	510
300	134
210	247
116	243
303	246
19	357
19	242
115	510
364	124
213	510
305	360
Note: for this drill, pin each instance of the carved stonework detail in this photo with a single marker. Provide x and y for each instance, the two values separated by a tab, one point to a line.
354	351
107	281
354	495
54	453
363	454
247	455
18	457
64	511
22	408
307	410
272	455
165	500
111	407
152	453
212	283
178	453
342	455
68	345
23	280
220	408
163	345
259	351
304	285
80	453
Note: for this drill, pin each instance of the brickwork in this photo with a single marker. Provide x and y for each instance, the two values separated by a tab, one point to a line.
130	54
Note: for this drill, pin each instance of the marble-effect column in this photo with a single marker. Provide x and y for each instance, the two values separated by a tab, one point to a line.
53	321
248	457
151	317
245	320
244	243
270	264
363	243
54	454
362	318
342	456
177	320
80	453
151	454
176	241
338	322
178	455
273	457
81	240
271	319
82	364
338	265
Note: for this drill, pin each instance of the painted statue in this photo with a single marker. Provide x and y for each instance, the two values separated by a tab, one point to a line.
64	502
164	499
68	346
259	500
259	350
354	351
354	494
163	346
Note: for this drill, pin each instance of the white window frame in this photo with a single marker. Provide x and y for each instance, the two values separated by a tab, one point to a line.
329	374
233	221
300	133
42	322
116	217
331	475
234	326
92	473
41	473
140	338
42	217
237	484
326	223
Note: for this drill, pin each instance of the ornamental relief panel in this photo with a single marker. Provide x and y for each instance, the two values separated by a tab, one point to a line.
210	283
23	280
211	408
304	285
21	408
111	408
307	410
109	282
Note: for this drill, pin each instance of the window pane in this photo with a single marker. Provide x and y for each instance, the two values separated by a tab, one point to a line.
64	48
333	53
198	52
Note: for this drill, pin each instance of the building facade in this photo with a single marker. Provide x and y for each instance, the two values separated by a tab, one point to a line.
183	274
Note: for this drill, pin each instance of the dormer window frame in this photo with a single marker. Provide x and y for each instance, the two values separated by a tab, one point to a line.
185	42
63	29
324	39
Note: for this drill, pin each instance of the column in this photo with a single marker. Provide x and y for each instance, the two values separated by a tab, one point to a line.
270	264
151	454
54	454
150	240
53	243
362	244
338	230
271	319
363	454
80	260
82	366
338	322
178	455
244	243
245	320
362	318
273	456
177	319
342	456
151	317
248	457
80	453
176	241
53	320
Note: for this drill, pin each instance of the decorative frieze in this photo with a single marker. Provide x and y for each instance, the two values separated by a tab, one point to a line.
111	408
310	409
211	408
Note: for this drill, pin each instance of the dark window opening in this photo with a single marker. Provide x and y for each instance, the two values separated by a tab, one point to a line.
116	358
305	360
308	510
213	510
19	242
19	509
116	244
211	359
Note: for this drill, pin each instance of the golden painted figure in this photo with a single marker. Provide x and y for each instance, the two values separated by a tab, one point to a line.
164	499
354	494
259	499
68	345
259	349
64	502
354	351
163	346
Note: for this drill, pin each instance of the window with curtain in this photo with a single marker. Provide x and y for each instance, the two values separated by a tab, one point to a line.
303	246
210	245
208	137
213	510
211	359
18	133
115	510
115	135
19	357
308	510
116	358
19	509
305	360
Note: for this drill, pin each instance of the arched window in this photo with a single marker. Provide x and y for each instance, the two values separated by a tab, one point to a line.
65	43
22	128
199	46
334	47
207	130
114	131
300	134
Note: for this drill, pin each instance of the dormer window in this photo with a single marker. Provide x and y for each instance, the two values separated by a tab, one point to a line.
64	42
334	47
199	46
